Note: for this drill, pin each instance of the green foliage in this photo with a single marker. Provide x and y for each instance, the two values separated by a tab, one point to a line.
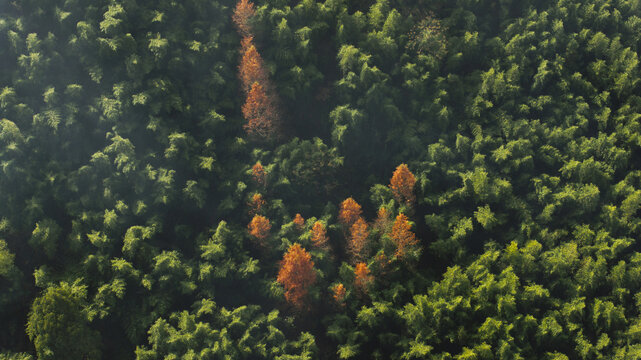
123	163
58	324
213	332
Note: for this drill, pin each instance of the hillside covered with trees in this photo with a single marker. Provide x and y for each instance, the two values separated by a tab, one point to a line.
362	179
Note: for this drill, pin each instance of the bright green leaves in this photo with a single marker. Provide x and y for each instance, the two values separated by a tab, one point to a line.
58	324
485	217
112	19
214	332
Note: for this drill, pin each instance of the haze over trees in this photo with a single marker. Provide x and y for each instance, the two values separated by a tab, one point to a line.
370	179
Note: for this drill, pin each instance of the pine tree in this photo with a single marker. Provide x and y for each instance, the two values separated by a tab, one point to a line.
402	236
259	228
251	69
243	12
362	277
260	113
358	239
319	235
402	184
349	212
383	220
299	222
338	292
297	275
259	175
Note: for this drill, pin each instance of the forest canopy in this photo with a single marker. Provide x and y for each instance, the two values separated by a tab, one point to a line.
367	179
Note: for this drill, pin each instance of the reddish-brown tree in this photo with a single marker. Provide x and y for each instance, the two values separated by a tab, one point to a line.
402	236
259	228
299	222
358	240
297	275
319	235
260	113
383	220
362	277
251	69
243	12
349	212
258	174
256	204
402	184
338	291
245	43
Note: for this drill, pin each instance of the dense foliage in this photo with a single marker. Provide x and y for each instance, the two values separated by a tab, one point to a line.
368	179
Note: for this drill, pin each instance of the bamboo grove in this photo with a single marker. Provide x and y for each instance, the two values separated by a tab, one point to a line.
366	179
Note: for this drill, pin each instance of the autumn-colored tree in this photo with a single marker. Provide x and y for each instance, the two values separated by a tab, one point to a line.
259	227
402	235
362	277
251	69
243	12
383	220
299	222
319	235
245	43
260	113
349	212
339	292
296	275
258	174
402	184
358	239
256	204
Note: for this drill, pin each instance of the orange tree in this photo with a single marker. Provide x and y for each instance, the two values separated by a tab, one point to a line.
296	275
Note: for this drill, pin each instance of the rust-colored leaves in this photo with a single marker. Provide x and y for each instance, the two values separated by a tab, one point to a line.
259	228
260	108
251	69
349	212
402	235
402	184
299	221
339	292
362	277
259	175
296	274
383	220
358	239
319	235
243	12
260	113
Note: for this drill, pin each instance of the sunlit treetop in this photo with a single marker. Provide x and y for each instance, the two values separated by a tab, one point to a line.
242	13
299	221
358	240
319	235
349	212
338	292
402	236
252	68
296	275
259	227
362	277
402	184
258	174
260	112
